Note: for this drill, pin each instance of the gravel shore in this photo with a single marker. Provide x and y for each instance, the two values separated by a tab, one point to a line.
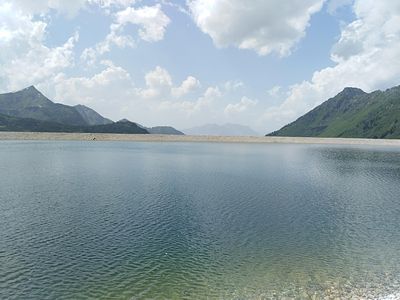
186	138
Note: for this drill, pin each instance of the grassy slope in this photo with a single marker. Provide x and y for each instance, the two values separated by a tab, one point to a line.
91	116
352	113
9	123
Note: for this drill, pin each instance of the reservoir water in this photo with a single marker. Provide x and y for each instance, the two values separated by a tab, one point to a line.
116	220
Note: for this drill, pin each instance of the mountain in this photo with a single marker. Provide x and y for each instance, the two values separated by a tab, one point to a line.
9	123
351	113
125	127
30	110
167	130
32	104
90	116
221	130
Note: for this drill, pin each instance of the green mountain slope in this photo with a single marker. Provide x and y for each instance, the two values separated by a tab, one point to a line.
9	123
117	127
168	130
30	103
90	116
352	113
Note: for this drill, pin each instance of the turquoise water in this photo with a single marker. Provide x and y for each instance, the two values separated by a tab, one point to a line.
106	220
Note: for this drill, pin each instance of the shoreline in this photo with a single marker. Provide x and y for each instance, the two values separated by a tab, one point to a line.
43	136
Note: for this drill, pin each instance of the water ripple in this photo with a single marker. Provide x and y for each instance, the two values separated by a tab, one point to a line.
198	221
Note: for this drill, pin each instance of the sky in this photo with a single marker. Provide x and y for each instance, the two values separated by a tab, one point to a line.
185	63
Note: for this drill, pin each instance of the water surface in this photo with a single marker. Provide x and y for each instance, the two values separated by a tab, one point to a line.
118	220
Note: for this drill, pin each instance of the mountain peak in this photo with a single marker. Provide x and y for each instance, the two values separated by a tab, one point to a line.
31	89
352	92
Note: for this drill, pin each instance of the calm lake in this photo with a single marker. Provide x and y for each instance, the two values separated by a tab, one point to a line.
120	220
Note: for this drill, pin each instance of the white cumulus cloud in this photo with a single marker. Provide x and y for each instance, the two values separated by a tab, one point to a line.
188	85
110	84
159	85
24	57
264	26
112	3
151	20
114	38
68	7
111	92
244	104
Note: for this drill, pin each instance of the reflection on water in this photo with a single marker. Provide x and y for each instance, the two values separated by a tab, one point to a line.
190	220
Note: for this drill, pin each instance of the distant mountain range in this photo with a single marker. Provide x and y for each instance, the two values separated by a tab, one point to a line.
163	130
352	113
221	130
30	110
